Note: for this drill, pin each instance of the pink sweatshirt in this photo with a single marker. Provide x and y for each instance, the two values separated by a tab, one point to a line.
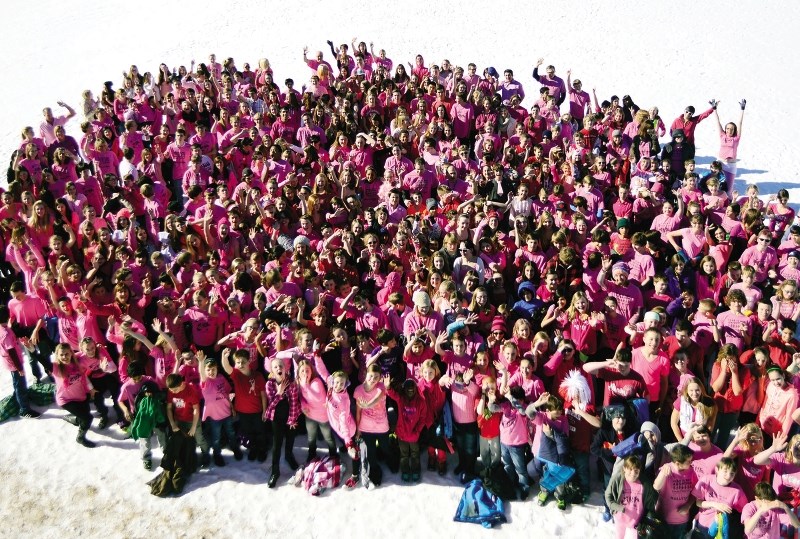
313	400
339	416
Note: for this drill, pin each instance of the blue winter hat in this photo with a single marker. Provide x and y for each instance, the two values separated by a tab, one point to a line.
493	72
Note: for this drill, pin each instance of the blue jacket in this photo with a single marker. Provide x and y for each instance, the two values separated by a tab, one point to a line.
480	506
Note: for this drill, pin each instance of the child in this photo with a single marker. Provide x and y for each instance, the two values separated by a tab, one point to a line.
183	413
613	430
313	405
249	402
658	296
11	356
674	483
411	412
282	410
344	424
762	516
514	438
548	420
435	398
464	393
488	424
217	412
630	496
72	391
752	293
102	372
716	494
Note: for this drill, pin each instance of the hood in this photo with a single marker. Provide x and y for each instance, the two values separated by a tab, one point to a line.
525	285
652	427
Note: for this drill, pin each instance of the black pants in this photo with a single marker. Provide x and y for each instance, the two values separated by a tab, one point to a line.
80	409
252	426
372	442
41	354
280	433
108	383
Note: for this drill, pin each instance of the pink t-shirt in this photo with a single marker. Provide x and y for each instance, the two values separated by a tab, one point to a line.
728	146
373	419
786	475
730	324
513	425
676	491
651	371
707	489
632	500
72	385
216	393
705	462
768	524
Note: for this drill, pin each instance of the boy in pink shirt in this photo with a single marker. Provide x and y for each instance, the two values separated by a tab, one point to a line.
763	516
718	493
674	483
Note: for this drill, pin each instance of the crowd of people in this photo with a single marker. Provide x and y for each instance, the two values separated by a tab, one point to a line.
403	259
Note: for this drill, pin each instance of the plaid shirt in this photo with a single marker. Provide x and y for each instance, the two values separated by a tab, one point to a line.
273	398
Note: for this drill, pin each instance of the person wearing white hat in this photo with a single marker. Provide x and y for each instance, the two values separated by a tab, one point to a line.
422	316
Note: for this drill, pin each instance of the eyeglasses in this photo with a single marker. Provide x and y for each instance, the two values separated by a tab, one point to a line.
464	250
679	360
568	350
763	240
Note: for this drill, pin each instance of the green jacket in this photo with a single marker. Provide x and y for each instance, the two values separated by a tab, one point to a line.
150	413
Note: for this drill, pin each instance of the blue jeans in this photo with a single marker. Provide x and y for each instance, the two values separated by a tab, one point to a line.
513	457
215	427
466	437
20	391
582	470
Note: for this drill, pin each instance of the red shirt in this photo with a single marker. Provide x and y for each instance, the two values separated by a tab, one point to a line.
248	391
183	403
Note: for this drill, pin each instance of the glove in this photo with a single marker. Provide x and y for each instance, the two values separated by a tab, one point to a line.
329	42
713	104
743	103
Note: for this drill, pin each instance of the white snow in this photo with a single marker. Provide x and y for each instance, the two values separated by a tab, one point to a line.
669	54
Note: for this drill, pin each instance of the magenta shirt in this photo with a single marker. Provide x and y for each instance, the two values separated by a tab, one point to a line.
72	385
373	419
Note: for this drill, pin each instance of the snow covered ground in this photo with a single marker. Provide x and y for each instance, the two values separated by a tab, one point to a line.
665	54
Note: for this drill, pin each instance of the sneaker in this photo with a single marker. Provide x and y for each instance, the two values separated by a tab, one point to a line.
148	465
205	460
352	482
219	461
415	478
370	485
237	454
103	423
405	477
606	515
30	414
541	499
561	504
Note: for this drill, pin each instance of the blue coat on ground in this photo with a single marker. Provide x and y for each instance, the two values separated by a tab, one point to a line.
480	506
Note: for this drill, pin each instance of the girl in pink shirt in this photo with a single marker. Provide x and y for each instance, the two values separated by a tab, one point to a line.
73	391
629	496
372	420
729	138
313	394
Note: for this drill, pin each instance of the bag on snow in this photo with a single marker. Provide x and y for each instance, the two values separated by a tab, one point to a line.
322	473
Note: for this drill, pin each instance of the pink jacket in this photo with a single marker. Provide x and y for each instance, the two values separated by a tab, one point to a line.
339	416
